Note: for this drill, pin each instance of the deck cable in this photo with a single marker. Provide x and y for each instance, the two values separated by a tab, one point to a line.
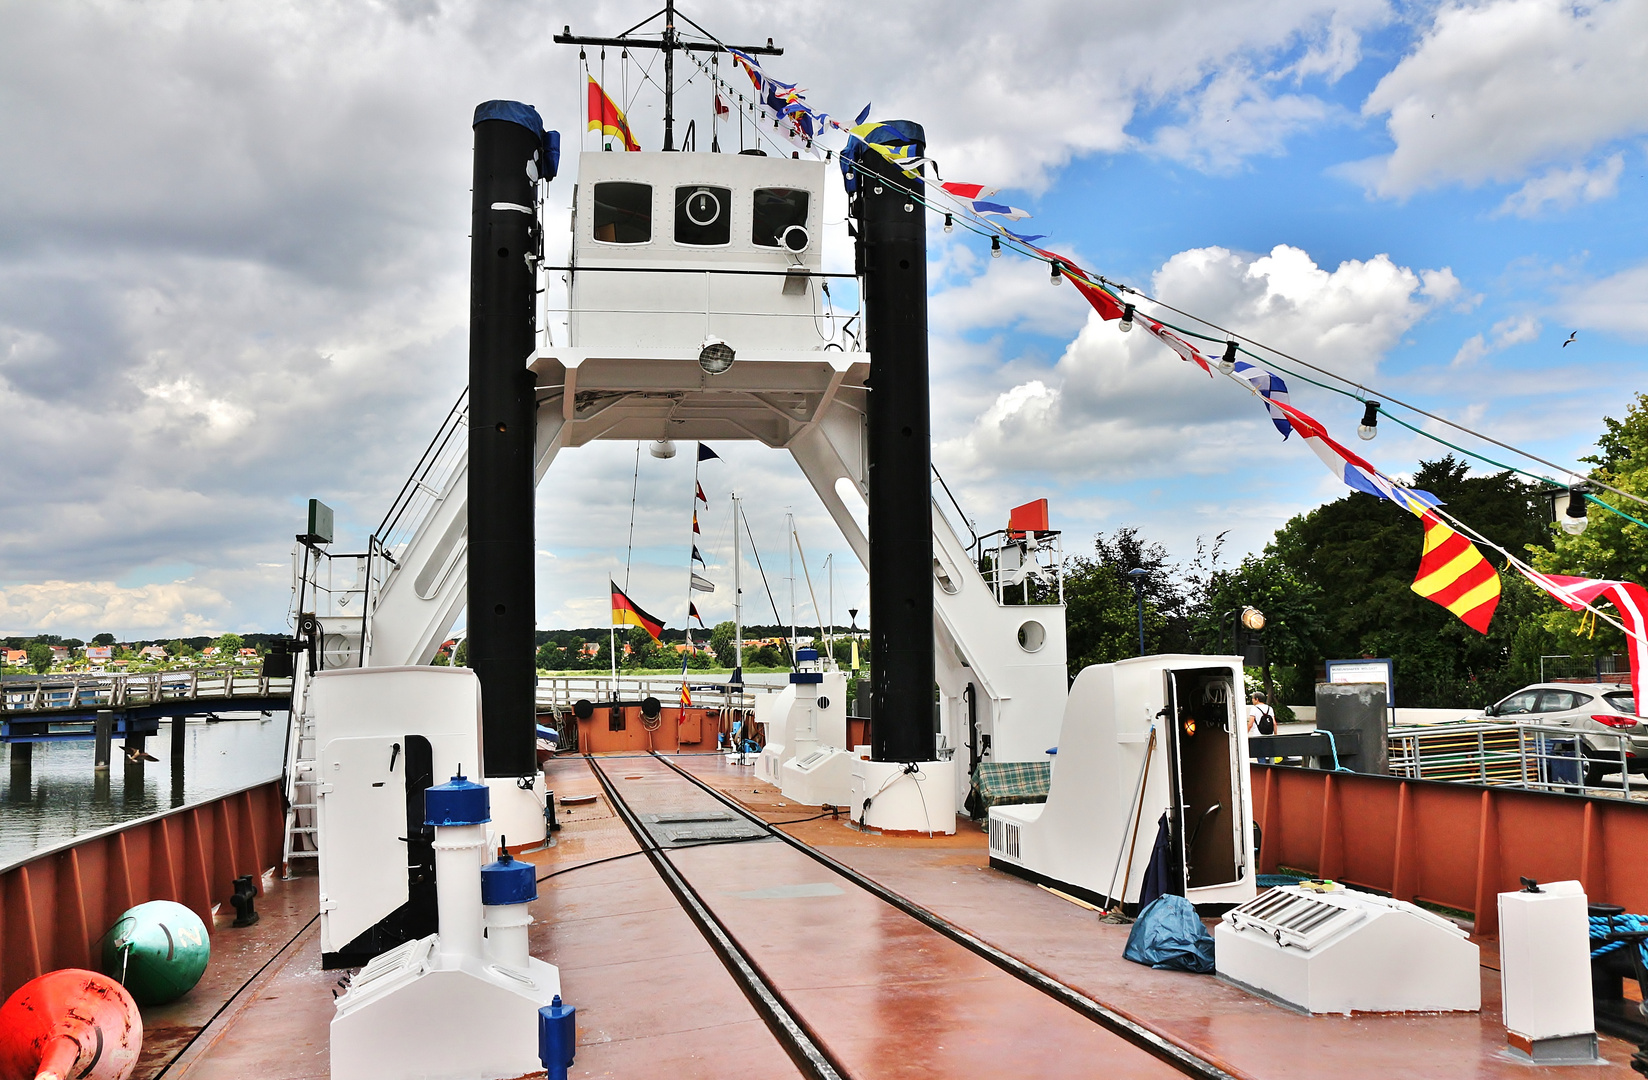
792	1033
1173	1053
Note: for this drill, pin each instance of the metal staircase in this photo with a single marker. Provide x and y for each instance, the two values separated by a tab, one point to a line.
299	841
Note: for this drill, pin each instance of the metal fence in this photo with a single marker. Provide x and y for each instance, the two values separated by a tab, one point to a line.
1530	756
557	693
59	693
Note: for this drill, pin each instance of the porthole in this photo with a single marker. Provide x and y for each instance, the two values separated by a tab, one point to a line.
1032	636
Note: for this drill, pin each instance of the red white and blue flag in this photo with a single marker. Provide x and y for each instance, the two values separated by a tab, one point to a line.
977	198
1628	598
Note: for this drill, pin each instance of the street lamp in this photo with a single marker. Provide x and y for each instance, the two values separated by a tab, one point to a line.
1138	575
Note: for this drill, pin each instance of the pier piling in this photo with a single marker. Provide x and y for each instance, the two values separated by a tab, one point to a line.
103	735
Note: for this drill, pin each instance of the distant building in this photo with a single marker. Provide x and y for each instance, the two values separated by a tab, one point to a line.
14	657
60	654
153	652
99	654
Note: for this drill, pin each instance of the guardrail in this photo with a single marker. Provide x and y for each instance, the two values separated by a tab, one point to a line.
1534	756
1454	845
55	904
557	693
65	693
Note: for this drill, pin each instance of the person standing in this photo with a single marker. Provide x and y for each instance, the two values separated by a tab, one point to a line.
1260	716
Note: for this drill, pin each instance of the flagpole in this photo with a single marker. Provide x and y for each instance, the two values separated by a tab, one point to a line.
790	518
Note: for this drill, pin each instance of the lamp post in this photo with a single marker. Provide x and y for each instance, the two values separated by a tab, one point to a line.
1138	575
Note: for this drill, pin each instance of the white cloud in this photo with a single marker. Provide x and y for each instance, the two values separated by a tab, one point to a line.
1496	89
1235	117
1515	330
1618	303
1561	188
76	607
1128	401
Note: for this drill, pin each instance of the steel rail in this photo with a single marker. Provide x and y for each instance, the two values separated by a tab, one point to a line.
1179	1057
792	1033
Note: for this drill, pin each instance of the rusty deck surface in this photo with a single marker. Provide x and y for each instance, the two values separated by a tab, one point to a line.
889	1001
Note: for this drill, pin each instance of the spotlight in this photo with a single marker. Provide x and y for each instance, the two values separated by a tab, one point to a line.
661	448
1369	427
1253	618
1227	362
1573	516
1127	319
715	356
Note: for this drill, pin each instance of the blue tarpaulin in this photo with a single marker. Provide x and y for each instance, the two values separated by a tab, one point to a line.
518	112
1168	934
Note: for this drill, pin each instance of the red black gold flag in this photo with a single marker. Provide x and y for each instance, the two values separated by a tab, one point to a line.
626	612
701	497
692	613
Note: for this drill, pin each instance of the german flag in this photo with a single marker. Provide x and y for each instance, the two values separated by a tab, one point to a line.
1453	573
626	612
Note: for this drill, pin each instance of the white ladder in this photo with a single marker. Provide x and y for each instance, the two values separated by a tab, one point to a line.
300	840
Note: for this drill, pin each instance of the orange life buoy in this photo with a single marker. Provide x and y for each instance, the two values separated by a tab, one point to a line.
69	1023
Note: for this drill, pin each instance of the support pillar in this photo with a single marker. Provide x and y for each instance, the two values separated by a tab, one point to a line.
893	254
102	739
509	157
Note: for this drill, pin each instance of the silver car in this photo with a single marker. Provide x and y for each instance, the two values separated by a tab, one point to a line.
1591	709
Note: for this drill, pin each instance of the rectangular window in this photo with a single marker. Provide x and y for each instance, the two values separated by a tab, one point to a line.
623	212
776	210
703	216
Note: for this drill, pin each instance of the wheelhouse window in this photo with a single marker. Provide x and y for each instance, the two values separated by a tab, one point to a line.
623	212
703	216
776	209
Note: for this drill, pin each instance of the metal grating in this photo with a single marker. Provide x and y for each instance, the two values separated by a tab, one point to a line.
1004	838
1296	918
697	826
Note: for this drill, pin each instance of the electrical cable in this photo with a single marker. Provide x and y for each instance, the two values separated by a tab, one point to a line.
672	847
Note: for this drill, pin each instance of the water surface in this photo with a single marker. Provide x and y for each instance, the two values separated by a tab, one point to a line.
60	796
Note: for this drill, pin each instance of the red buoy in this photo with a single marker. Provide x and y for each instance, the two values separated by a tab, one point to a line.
69	1023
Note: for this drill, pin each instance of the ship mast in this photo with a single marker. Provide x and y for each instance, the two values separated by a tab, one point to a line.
668	41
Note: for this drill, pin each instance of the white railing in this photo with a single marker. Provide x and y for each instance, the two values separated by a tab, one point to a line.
1532	756
58	693
558	693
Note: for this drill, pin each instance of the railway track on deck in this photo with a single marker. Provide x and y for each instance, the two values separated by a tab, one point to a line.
790	968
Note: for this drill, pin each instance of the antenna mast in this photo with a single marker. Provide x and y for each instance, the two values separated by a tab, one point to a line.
668	41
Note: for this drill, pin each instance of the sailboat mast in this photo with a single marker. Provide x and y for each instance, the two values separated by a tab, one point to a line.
790	520
737	588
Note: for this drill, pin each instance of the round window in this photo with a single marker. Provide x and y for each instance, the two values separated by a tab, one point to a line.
1032	636
703	208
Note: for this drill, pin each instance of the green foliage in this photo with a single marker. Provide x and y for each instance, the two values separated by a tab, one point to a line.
178	650
643	651
1610	548
460	655
723	639
229	645
103	639
549	656
40	657
1102	616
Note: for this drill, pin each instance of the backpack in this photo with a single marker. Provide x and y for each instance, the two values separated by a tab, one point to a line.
1267	721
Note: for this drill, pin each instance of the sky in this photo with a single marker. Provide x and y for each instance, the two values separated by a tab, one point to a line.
234	270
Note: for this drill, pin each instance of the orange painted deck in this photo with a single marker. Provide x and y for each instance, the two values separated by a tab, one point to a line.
887	996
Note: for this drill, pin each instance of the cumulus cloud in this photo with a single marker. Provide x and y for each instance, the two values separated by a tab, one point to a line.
1496	89
75	607
1560	189
1126	400
1515	330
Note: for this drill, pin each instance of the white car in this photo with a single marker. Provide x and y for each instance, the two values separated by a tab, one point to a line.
1591	709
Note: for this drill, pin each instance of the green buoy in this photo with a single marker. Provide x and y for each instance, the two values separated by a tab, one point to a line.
157	950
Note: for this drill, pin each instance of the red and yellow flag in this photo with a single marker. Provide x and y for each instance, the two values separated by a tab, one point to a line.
626	612
607	118
1453	573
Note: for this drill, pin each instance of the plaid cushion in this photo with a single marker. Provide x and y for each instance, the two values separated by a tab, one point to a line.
1006	783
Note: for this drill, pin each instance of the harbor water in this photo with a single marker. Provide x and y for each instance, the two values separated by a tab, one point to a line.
59	796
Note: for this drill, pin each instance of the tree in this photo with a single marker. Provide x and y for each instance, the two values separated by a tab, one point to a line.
723	640
1610	548
1101	607
229	645
460	655
549	656
643	651
1359	555
40	657
178	649
103	639
1292	619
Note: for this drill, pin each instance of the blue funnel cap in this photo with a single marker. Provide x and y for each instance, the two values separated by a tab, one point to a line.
508	881
457	802
804	655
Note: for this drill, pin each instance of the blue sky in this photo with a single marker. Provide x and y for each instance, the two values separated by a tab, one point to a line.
233	270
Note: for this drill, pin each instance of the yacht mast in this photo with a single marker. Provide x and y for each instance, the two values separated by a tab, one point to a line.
737	590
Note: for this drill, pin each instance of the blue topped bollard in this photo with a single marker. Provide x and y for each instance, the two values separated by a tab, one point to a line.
557	1037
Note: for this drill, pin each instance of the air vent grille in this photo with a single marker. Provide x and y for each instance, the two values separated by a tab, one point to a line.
1004	838
1296	918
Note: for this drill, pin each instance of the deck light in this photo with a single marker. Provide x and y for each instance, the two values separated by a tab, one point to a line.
661	448
1369	427
715	356
1227	362
1127	319
1573	516
995	247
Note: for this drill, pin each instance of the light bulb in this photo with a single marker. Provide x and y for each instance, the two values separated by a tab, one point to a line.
1574	517
949	223
1227	362
1057	267
1369	427
1127	319
995	247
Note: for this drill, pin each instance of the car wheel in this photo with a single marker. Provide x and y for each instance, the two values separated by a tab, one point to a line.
1596	770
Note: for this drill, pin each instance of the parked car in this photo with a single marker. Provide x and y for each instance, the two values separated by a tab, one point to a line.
1591	709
